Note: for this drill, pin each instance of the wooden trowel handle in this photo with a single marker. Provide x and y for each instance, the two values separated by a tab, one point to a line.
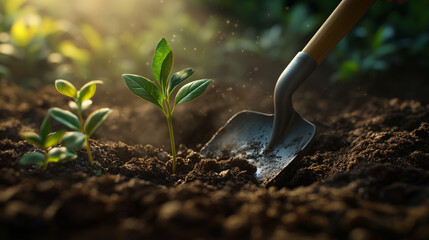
339	23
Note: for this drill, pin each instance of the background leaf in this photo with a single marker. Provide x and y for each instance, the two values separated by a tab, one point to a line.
144	88
86	104
54	138
60	154
95	119
87	91
161	53
65	117
73	106
32	138
73	140
191	91
45	128
179	77
33	158
65	88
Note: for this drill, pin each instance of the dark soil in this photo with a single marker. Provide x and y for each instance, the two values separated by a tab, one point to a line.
365	177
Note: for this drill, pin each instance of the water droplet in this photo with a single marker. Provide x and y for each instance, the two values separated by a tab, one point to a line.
195	49
227	21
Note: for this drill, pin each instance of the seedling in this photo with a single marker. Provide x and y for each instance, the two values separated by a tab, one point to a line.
159	94
81	102
46	140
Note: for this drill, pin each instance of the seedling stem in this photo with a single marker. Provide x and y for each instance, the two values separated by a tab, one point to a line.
170	130
82	129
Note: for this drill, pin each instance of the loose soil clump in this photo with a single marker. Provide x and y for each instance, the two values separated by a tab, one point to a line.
366	175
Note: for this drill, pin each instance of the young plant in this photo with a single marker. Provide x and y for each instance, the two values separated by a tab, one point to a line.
81	102
159	94
46	140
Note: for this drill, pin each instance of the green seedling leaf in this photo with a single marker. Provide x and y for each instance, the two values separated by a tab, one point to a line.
65	117
32	138
165	70
60	154
179	77
86	104
69	155
53	139
161	53
73	106
33	158
45	128
87	91
143	88
66	88
95	119
191	91
73	140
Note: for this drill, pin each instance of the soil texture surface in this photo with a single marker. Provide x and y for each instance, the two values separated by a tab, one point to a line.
366	175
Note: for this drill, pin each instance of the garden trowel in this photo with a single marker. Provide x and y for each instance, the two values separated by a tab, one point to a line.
274	142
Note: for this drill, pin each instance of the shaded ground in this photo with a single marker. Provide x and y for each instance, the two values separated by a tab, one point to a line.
365	177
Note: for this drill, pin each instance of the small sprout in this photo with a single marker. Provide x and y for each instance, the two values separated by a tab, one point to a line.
46	140
159	94
81	102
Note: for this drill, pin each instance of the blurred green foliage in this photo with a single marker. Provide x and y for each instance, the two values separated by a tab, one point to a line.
389	38
42	40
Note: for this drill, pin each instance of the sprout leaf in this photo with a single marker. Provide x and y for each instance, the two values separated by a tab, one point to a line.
95	119
191	91
65	117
